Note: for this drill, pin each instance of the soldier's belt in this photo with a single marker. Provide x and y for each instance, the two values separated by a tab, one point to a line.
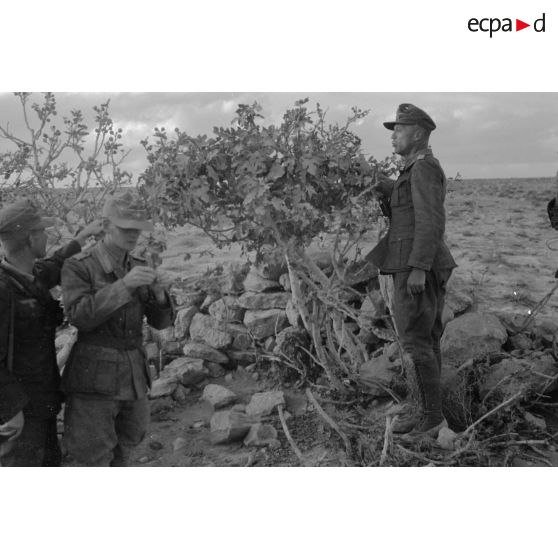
121	343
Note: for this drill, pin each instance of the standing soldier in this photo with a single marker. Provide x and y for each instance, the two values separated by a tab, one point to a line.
415	254
106	293
30	395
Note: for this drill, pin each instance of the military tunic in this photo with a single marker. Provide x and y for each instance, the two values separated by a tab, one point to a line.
107	372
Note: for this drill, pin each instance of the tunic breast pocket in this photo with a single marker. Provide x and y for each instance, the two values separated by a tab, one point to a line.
92	369
401	194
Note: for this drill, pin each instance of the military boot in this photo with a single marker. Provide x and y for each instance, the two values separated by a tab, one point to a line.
432	420
406	420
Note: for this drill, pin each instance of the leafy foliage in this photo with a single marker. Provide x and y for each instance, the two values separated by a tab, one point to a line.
262	185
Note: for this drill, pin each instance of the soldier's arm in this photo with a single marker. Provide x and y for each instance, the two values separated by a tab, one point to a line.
427	193
12	394
87	309
48	269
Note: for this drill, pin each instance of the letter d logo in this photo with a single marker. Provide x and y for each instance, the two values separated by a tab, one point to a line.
539	24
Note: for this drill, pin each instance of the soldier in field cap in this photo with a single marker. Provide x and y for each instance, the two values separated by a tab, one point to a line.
414	253
30	395
107	291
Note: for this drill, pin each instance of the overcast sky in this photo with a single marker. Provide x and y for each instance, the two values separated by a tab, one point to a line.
479	135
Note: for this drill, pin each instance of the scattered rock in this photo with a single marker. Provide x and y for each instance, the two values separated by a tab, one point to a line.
246	357
264	301
262	435
188	371
143	459
446	438
263	323
375	373
171	347
537	422
264	403
242	339
447	315
472	335
227	309
151	351
179	394
256	283
202	351
229	426
209	300
218	396
163	387
521	341
229	378
215	370
179	443
207	329
458	297
156	445
190	298
183	321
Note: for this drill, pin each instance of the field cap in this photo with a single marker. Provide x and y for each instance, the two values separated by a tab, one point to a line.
409	114
22	216
127	211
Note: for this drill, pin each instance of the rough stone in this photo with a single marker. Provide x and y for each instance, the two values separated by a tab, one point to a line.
521	341
446	438
514	375
218	396
263	323
179	443
535	421
194	349
241	338
179	394
376	373
458	297
373	308
262	435
189	298
215	370
263	403
188	371
183	321
229	426
227	309
256	283
264	301
246	357
209	300
285	282
271	264
447	315
472	335
163	387
171	347
207	329
151	351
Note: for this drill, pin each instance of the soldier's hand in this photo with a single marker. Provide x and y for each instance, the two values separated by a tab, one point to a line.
95	228
163	280
139	276
416	281
12	429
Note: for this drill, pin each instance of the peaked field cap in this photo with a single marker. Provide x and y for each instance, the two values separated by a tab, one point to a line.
409	114
22	216
127	211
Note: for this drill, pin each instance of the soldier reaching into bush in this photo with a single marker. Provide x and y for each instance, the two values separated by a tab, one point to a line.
414	253
106	293
30	395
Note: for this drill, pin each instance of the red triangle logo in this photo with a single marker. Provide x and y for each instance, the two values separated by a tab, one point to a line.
519	25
